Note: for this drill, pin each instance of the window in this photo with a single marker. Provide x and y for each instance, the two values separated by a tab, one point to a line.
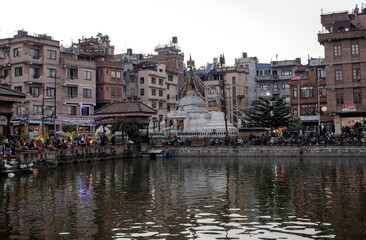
160	105
268	86
37	109
118	92
51	54
337	51
18	88
34	91
168	108
161	82
34	72
113	93
153	80
233	80
170	78
160	70
71	73
50	92
18	71
49	111
132	79
153	92
17	52
261	87
295	92
355	49
275	86
307	92
34	53
51	73
295	111
357	98
113	74
168	96
71	92
160	93
142	92
310	111
6	54
20	110
339	97
87	75
338	75
87	93
212	90
85	111
286	72
212	103
118	74
283	85
142	80
71	110
356	74
320	72
7	72
153	105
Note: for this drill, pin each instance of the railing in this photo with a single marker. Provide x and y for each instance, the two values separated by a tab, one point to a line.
220	134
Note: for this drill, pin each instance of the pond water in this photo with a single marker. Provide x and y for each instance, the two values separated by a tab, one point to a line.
189	198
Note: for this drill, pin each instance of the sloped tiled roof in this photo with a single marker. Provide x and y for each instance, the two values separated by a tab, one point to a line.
126	109
7	94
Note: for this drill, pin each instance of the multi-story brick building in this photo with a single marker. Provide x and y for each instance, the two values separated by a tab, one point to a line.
343	38
110	85
53	81
308	97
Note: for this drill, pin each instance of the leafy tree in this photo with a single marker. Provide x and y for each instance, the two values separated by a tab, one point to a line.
69	128
268	112
294	124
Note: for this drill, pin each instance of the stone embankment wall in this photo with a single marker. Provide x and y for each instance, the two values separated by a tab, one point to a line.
271	151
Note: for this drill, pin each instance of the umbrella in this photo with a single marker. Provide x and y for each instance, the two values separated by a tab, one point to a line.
59	132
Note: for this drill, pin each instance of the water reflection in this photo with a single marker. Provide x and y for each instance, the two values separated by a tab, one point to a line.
189	198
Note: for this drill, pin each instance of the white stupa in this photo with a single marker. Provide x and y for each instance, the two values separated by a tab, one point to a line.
192	115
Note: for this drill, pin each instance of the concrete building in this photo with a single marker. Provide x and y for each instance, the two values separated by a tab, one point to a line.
250	87
234	79
343	38
273	79
77	95
59	86
309	97
153	88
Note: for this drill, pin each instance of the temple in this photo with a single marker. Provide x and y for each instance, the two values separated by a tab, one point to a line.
191	116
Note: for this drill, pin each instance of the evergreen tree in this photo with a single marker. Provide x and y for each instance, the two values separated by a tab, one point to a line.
269	112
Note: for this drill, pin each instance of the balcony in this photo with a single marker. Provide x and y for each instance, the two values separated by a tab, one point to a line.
326	36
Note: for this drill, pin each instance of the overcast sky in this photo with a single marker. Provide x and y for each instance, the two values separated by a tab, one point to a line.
205	28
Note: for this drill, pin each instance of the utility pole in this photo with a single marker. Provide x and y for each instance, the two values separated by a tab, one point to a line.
318	86
223	89
43	109
54	113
